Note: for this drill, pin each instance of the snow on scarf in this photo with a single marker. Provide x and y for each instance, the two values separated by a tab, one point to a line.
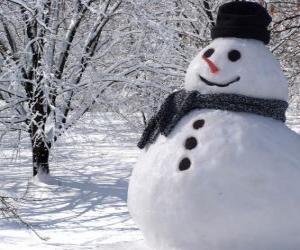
181	102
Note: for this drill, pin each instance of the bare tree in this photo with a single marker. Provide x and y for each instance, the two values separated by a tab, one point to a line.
50	49
175	31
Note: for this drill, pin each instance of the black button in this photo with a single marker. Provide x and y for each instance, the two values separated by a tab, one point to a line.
184	164
198	124
190	143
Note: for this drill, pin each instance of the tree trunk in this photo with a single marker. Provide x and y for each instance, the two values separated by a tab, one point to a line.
40	157
40	145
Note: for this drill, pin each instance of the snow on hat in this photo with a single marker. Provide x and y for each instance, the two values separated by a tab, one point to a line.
242	20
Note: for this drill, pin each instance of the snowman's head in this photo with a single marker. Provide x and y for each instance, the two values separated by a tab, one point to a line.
237	61
237	66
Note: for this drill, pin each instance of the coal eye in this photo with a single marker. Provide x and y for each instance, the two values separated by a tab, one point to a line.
208	53
234	55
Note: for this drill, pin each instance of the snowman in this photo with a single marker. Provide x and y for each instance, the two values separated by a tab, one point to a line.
219	169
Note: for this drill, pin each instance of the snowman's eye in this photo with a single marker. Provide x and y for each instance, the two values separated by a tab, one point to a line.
234	55
208	53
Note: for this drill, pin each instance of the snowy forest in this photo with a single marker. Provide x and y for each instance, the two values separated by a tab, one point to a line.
79	80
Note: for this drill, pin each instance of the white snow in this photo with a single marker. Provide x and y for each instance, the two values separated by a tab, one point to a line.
82	205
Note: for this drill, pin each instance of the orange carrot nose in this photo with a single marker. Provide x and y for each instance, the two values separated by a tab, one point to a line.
213	68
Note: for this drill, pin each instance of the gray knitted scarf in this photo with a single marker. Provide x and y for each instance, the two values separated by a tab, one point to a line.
181	102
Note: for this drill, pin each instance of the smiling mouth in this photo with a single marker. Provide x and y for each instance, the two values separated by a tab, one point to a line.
209	83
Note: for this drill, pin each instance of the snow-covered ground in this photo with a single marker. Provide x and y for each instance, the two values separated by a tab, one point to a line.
83	204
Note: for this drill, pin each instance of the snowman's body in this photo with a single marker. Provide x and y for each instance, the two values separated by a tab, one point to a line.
223	180
240	192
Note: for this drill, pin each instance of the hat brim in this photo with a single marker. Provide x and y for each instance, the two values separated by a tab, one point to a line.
241	32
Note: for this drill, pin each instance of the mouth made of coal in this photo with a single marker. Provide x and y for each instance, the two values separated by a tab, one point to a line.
209	83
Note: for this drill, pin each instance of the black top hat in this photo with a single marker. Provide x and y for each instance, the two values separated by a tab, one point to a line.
242	20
